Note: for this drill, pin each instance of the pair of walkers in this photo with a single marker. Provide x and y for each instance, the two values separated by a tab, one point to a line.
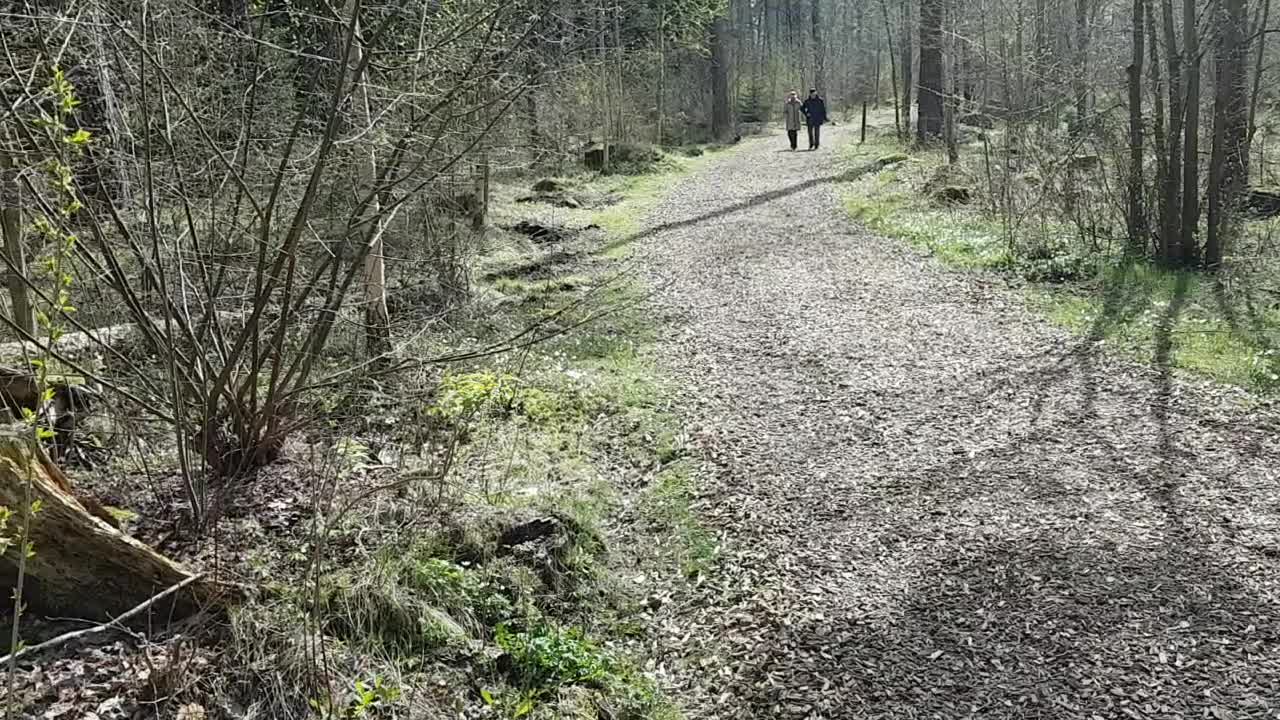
814	113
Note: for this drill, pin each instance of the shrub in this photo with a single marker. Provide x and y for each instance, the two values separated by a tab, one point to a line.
546	656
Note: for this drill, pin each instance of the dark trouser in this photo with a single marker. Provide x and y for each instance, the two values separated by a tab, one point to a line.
793	136
815	135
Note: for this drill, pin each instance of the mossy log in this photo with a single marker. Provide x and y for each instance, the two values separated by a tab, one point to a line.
82	566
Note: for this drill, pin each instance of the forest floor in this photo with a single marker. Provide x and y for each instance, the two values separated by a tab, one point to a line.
931	501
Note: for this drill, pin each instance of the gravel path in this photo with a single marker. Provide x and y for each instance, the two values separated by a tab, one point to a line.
934	504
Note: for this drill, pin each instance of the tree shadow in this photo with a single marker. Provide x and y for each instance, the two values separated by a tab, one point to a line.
1043	625
1165	493
749	203
1256	334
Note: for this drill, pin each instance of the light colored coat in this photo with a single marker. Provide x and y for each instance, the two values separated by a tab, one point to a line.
791	114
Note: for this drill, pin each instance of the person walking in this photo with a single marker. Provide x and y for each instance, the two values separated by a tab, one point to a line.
791	115
815	115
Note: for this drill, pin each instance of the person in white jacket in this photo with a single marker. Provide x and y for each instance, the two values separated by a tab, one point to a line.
792	116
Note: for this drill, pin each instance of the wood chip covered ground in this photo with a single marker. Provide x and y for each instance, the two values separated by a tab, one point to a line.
931	503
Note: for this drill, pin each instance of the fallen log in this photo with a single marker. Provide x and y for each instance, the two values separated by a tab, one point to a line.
82	344
82	566
1261	203
73	344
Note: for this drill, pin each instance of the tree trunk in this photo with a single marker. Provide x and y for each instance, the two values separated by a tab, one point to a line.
1081	81
1170	230
1191	134
1259	69
1227	165
875	85
377	318
929	120
1039	61
533	75
606	89
81	566
15	260
908	68
721	121
819	52
662	77
1137	220
893	71
952	100
1159	136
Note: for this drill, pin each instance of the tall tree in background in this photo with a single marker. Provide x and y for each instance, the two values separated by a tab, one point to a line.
721	119
819	51
929	124
1159	133
377	318
1137	214
893	70
908	66
1229	161
1191	133
1080	82
1171	247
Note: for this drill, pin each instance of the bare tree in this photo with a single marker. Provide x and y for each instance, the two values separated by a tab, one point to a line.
930	121
1191	60
819	50
1228	165
1137	214
721	122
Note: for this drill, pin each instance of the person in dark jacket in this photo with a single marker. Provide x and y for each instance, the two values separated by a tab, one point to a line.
815	116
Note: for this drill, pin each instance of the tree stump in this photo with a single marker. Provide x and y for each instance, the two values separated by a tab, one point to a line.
82	566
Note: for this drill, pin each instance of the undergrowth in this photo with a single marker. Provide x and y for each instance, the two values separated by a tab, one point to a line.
1225	327
544	444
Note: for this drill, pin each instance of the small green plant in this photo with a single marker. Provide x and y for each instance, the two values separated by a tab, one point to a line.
64	145
547	657
458	590
367	699
465	395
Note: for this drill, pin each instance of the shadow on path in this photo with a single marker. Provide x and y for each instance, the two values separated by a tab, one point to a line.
749	203
1038	627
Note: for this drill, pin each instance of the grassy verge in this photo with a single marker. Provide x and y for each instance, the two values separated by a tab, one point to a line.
509	600
1225	328
622	222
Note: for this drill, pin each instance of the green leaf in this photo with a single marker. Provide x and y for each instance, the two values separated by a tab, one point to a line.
486	696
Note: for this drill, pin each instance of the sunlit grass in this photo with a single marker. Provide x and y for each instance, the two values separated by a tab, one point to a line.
1153	314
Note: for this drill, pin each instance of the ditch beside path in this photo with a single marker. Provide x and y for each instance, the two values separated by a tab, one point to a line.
931	502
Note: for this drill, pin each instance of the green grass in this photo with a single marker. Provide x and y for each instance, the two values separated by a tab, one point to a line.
668	505
550	430
1179	317
643	192
540	290
1182	319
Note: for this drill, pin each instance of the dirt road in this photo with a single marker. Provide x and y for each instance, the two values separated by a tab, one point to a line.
931	502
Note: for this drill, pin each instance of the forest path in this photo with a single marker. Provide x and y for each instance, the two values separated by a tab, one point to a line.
932	503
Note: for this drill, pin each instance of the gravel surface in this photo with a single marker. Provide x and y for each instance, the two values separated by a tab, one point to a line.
932	503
